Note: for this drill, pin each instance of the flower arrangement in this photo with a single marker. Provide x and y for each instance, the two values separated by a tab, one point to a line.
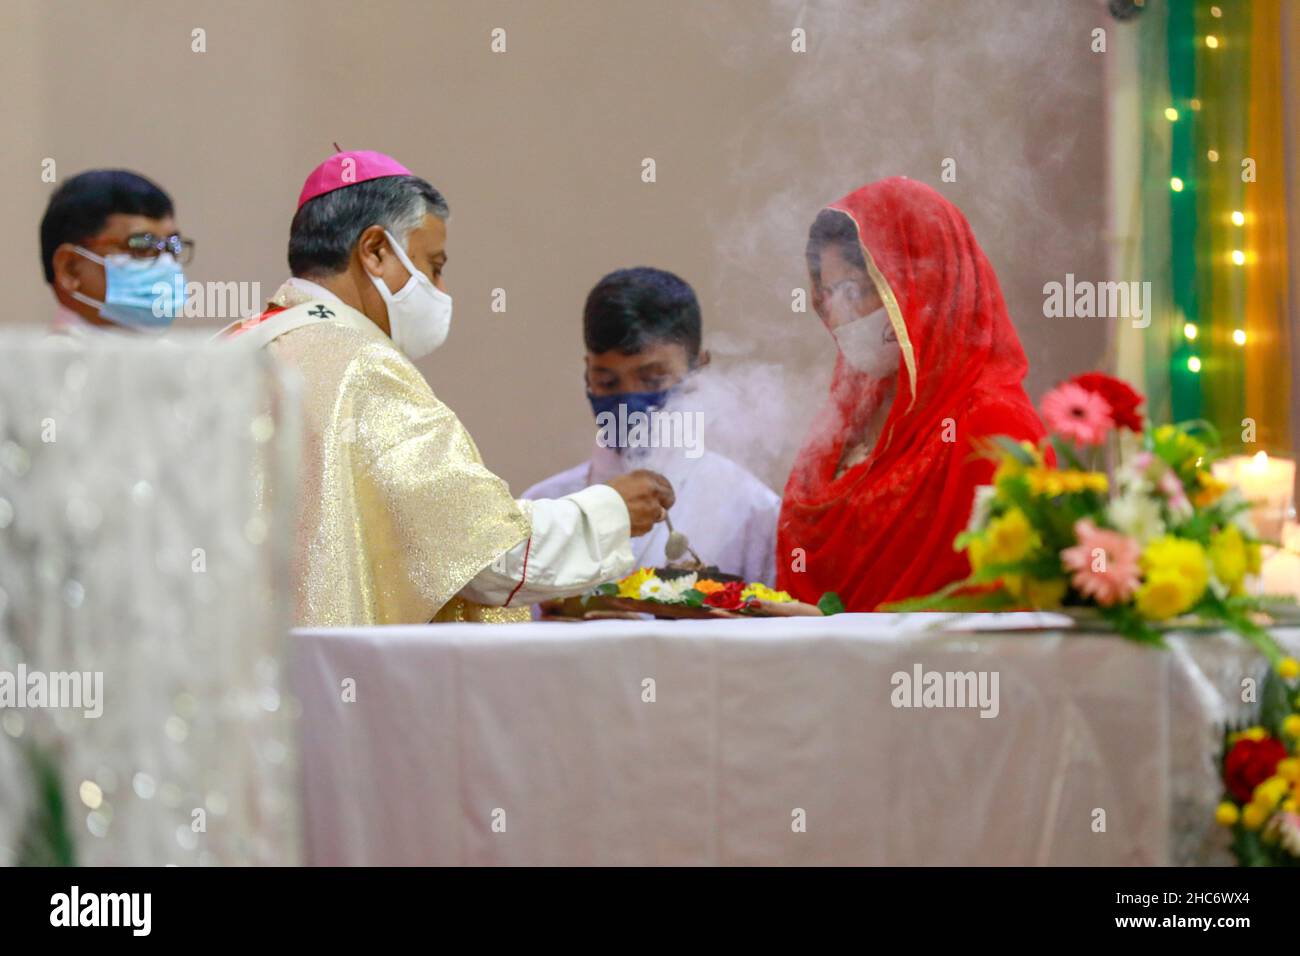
1138	545
692	590
1260	768
680	592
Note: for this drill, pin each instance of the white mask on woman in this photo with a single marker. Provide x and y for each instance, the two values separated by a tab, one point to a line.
869	344
419	313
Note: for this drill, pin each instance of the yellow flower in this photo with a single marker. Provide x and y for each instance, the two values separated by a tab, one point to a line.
1044	595
1181	555
1269	793
630	586
1009	537
1177	573
765	593
1291	726
977	553
1162	596
1253	816
1009	467
1226	814
1289	769
1177	447
708	586
1254	557
1050	483
1289	805
1211	490
1228	555
1250	733
1288	668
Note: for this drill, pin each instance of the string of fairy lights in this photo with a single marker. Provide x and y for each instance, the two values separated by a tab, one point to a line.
1208	85
1238	256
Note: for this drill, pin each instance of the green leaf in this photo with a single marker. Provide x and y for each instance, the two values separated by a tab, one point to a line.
1261	638
1204	430
1274	703
1012	447
47	840
1129	623
830	603
1065	453
693	598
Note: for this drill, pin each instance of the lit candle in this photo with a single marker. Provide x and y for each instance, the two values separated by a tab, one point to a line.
1267	483
1280	573
1291	536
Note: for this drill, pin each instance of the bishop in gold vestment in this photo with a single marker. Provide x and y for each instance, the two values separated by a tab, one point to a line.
401	522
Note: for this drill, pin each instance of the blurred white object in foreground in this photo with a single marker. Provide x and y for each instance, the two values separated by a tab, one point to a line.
137	556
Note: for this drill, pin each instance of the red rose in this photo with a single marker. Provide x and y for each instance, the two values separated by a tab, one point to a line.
1249	763
1120	396
728	598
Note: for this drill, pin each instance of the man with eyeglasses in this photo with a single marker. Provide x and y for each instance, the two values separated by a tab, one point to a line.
112	254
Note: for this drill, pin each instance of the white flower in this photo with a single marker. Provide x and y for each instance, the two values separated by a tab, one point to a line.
1137	516
1288	831
676	588
979	515
652	589
1232	498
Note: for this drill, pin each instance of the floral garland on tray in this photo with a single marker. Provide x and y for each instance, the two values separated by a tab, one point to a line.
692	590
1154	543
679	592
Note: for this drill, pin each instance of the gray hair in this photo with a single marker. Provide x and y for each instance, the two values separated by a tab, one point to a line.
326	228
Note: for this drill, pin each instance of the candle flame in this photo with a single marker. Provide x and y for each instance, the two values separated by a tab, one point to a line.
1260	461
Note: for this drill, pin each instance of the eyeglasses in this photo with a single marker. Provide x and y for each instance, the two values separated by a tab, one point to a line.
145	245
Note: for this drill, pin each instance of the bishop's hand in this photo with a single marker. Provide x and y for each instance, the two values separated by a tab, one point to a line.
648	496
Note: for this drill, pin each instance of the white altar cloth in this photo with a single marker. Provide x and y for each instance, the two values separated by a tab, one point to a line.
766	742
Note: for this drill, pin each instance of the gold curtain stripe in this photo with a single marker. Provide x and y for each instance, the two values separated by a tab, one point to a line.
1267	349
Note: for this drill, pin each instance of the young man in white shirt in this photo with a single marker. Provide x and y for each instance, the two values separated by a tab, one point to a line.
642	331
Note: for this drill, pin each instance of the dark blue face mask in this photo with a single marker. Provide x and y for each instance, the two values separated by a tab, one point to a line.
645	402
635	401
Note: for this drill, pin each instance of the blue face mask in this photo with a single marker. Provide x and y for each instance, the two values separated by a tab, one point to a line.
138	293
632	401
635	401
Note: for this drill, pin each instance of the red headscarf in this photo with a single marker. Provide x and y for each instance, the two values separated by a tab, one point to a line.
883	530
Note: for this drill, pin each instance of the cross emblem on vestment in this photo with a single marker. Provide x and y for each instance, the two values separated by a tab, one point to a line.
320	312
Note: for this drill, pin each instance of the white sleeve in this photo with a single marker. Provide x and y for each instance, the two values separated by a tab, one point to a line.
577	542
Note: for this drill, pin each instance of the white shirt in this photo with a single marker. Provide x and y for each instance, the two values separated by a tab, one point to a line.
728	515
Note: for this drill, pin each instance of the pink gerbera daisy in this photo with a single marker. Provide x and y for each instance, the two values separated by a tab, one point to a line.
1073	412
1104	564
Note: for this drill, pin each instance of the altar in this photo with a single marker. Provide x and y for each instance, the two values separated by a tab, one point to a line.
759	742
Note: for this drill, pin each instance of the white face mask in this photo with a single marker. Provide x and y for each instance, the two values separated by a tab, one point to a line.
419	313
869	344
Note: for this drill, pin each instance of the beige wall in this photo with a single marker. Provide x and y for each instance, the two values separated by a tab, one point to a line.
539	151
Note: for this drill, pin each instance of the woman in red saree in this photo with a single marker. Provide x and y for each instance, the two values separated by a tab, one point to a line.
928	366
